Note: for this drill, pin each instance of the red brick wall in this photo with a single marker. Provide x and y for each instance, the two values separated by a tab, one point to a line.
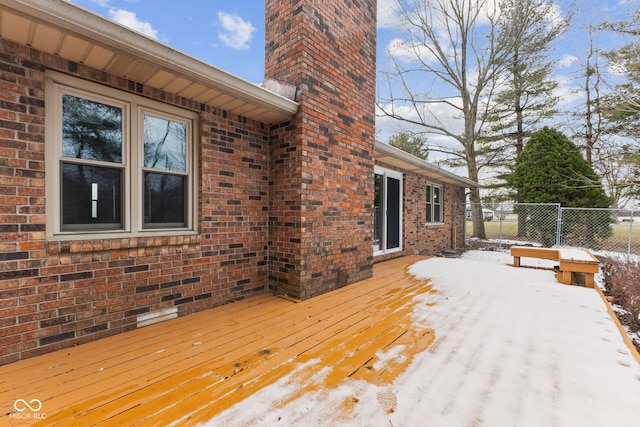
321	223
418	236
55	294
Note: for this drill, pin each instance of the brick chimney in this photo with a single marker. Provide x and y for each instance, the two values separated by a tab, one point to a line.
322	164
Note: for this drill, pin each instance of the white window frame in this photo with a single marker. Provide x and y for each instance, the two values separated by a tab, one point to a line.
389	173
133	107
433	205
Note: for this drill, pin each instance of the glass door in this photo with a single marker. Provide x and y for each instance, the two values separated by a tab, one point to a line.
387	235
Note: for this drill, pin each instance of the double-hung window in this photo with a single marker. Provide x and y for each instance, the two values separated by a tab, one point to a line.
118	163
434	204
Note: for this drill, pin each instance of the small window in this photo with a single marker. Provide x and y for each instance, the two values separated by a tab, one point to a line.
433	204
124	163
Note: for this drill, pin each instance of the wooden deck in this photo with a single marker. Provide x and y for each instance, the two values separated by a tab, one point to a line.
185	371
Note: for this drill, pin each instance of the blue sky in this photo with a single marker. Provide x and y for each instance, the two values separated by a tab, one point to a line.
226	34
230	34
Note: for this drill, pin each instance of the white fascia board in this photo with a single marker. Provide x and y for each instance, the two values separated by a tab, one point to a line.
417	165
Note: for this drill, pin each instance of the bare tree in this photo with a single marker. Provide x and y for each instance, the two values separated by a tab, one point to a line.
622	106
609	121
593	112
626	62
619	166
450	60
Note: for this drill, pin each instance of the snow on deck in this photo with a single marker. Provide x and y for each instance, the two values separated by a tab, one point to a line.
575	254
513	347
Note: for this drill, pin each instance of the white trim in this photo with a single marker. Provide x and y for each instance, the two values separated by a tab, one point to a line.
441	204
157	316
395	157
389	173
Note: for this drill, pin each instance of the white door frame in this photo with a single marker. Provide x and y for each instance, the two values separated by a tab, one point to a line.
380	246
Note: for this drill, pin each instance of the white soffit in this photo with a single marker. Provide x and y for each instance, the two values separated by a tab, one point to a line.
61	28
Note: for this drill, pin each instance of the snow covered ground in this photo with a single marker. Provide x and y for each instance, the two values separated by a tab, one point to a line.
513	348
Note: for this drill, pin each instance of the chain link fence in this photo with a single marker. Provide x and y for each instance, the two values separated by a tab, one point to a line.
547	225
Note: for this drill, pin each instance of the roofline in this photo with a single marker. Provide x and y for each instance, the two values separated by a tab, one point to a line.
71	17
412	162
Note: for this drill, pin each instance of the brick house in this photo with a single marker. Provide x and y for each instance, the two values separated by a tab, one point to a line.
138	184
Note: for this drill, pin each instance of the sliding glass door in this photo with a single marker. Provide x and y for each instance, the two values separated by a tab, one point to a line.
387	236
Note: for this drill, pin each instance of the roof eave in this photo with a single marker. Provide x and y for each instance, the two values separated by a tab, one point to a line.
90	26
396	157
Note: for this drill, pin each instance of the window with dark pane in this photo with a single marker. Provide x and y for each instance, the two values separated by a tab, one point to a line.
429	210
121	163
165	144
437	205
433	205
91	197
165	157
91	130
91	169
164	200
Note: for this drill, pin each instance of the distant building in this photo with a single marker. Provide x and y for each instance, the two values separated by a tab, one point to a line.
487	214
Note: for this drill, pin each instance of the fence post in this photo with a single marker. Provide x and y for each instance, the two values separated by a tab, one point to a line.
559	226
630	234
500	218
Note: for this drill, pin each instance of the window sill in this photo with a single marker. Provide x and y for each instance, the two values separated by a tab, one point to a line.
387	252
118	247
118	234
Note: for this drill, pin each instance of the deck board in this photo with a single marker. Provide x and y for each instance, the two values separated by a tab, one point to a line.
186	370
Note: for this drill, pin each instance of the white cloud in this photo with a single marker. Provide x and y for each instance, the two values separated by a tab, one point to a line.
436	114
410	53
567	61
129	19
440	14
388	14
567	91
107	3
236	32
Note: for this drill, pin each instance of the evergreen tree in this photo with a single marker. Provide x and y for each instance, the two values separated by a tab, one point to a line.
620	159
551	169
416	145
526	97
623	108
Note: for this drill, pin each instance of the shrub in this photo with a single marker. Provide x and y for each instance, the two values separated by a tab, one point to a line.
622	284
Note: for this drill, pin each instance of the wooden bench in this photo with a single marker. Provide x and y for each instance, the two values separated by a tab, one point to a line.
530	252
574	264
577	261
